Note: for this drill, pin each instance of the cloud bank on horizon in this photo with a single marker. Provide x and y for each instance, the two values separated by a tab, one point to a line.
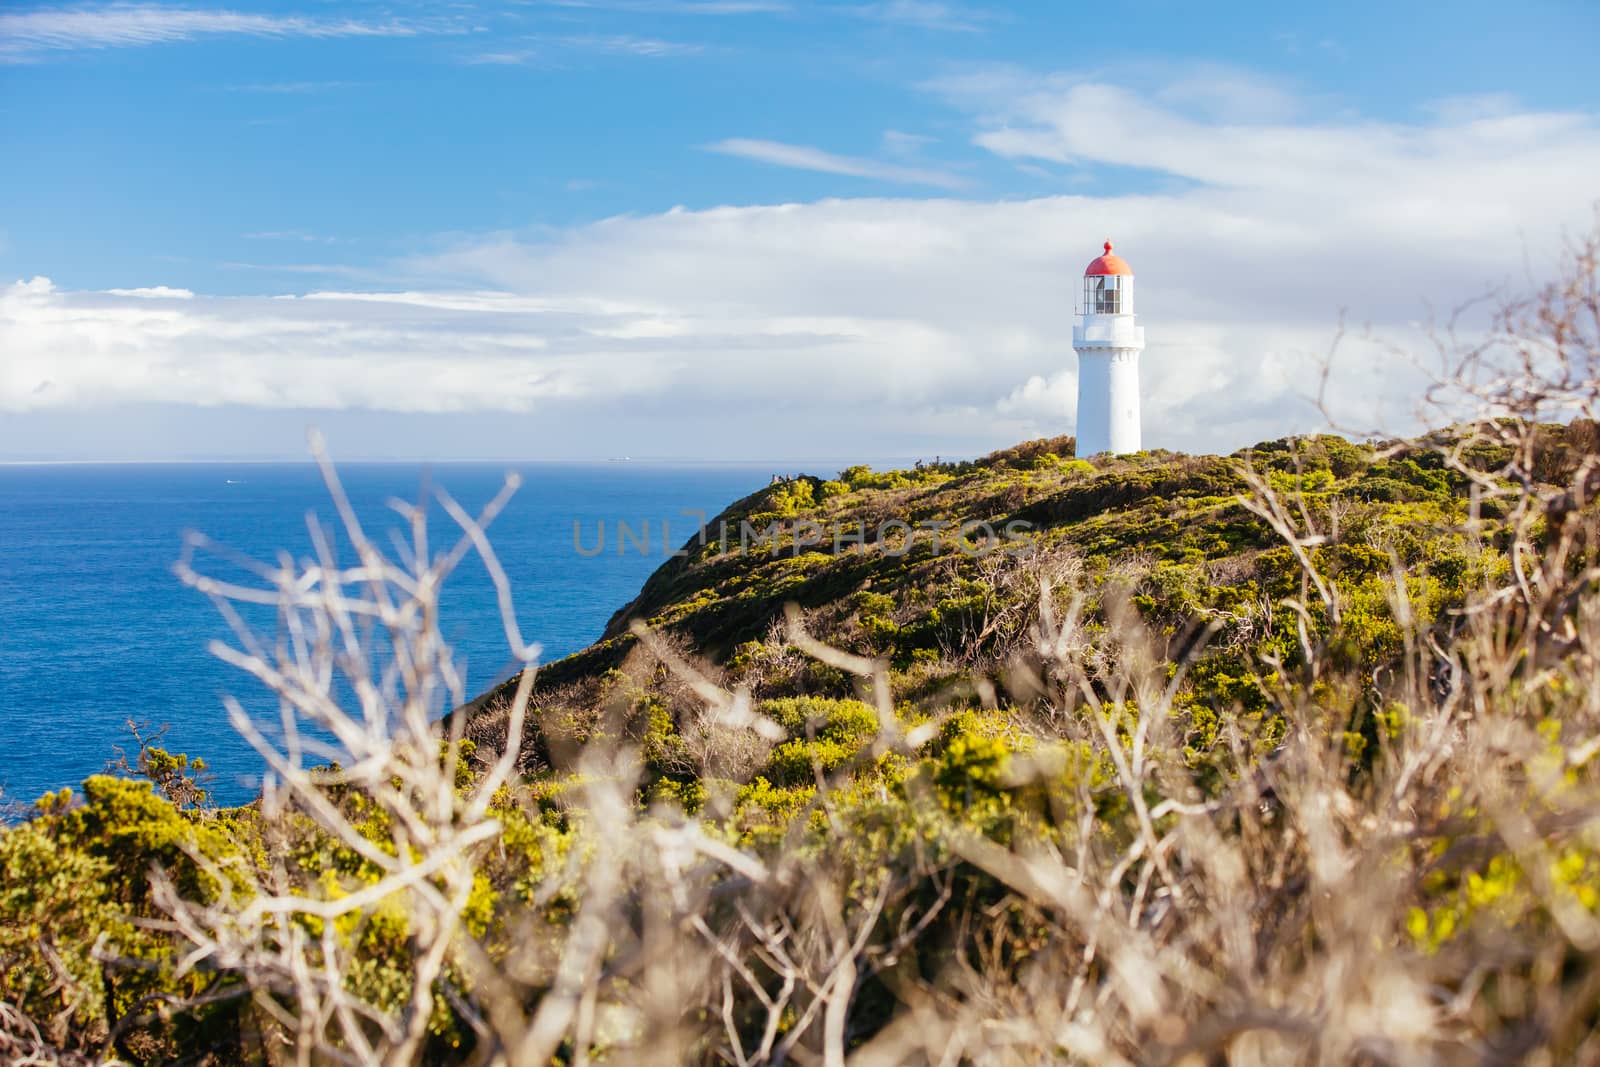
826	326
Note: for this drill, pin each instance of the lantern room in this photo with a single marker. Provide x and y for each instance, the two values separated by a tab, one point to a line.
1108	285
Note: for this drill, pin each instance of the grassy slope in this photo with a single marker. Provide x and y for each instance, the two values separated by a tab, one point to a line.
1165	532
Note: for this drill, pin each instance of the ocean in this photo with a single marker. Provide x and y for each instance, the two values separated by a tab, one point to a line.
96	630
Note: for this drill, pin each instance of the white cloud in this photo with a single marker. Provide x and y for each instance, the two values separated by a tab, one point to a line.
1510	169
25	33
390	352
806	157
153	292
914	325
1040	397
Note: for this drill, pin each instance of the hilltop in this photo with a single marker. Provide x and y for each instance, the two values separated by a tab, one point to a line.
1173	538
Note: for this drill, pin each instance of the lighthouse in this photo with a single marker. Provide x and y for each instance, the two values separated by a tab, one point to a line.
1108	341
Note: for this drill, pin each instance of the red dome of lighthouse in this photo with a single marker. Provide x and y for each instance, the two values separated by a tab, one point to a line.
1108	264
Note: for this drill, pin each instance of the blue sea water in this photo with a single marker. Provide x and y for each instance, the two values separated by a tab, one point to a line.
95	628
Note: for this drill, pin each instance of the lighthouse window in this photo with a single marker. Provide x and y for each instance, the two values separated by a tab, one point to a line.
1102	295
1108	294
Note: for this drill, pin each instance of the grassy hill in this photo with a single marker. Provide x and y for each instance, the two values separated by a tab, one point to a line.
1171	541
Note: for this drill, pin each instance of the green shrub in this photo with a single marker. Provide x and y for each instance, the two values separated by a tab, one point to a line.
54	909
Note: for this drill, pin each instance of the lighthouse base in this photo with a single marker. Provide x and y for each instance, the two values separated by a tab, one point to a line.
1108	401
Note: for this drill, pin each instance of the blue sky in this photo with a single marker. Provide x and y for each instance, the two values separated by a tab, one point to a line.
651	216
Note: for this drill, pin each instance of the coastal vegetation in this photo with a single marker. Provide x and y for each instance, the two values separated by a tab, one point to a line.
1288	756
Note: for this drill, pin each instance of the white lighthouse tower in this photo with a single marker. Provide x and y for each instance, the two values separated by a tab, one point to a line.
1108	341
